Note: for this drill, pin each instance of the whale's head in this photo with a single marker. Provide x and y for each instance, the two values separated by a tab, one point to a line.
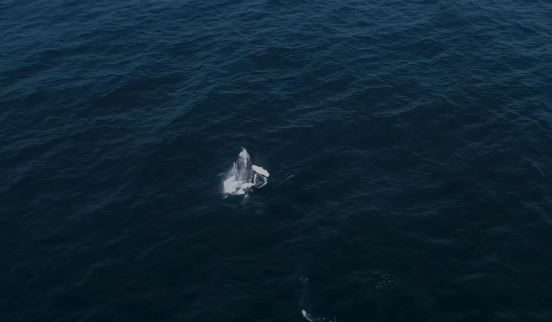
244	156
243	165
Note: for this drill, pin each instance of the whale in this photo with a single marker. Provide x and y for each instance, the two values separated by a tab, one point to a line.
244	176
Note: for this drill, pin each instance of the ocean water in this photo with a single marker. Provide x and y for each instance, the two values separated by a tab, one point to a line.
409	145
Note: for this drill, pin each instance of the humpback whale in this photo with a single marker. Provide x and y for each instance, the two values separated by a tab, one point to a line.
244	176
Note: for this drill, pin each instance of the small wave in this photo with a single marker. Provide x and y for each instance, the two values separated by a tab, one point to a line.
309	317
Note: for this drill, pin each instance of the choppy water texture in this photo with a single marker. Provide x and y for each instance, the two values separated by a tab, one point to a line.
408	142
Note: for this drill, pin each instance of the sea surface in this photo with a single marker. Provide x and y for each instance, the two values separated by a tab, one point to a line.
409	145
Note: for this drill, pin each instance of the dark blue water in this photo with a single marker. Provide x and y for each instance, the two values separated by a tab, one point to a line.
409	145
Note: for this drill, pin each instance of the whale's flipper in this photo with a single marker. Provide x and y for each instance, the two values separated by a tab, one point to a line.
260	170
260	176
